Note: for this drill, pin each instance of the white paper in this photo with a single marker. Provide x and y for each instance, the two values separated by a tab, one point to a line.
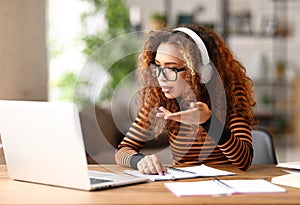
197	188
290	165
206	171
210	187
292	180
253	186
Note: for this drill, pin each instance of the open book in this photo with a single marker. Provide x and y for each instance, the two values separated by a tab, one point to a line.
218	187
183	173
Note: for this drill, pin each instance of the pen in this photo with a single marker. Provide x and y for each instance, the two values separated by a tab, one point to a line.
172	177
218	181
180	170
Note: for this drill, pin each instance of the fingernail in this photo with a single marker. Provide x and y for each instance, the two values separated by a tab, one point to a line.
159	115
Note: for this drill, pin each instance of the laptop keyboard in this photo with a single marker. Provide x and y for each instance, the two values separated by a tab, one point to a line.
99	181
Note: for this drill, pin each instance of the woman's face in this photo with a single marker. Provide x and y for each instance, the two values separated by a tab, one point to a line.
168	56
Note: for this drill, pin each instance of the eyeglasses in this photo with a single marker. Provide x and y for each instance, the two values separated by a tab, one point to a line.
170	74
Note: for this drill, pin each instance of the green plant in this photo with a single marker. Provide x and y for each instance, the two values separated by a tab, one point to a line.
106	47
158	20
67	83
158	17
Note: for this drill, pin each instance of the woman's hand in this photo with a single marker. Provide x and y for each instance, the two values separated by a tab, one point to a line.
197	114
151	165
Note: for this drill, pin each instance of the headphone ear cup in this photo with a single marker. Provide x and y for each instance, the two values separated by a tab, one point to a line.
206	72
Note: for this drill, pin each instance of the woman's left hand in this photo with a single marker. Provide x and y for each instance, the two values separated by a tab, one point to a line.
197	114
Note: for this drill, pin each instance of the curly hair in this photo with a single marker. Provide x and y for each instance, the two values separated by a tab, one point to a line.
230	70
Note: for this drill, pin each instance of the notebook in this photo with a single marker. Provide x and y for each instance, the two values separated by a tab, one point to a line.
43	143
219	187
183	173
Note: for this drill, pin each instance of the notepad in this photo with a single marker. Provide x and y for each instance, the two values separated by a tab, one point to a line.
183	173
223	187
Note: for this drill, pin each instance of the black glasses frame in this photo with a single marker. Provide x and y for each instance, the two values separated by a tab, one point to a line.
163	70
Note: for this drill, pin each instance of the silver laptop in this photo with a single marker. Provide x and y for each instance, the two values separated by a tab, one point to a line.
43	143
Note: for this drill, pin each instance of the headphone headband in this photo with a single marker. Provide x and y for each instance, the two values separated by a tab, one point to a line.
206	70
198	41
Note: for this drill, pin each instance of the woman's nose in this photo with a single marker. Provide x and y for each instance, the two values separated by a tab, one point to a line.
161	77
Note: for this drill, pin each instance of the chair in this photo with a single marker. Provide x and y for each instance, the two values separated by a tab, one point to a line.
264	151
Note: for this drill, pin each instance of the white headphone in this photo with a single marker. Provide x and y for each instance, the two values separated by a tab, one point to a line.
206	70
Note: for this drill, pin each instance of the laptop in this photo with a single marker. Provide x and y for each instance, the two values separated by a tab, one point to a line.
43	143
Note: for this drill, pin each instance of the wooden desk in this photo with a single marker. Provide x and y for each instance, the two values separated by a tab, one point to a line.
14	192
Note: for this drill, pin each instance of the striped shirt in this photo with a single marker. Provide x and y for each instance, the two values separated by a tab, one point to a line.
192	146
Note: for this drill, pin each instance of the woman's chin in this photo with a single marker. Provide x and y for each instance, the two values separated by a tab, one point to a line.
169	96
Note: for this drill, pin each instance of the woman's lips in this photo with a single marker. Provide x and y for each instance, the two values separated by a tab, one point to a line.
166	89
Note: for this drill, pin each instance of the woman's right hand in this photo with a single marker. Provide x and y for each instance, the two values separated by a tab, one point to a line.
150	165
198	113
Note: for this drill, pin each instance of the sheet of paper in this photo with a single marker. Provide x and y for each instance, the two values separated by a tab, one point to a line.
196	188
206	171
290	165
292	180
253	186
210	187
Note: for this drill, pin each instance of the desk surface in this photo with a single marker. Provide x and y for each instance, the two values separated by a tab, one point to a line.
15	192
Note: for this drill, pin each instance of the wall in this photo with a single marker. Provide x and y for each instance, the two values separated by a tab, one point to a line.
23	53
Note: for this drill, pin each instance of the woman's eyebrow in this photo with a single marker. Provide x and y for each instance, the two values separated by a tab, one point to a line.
168	63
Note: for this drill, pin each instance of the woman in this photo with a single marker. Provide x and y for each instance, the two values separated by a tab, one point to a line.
191	86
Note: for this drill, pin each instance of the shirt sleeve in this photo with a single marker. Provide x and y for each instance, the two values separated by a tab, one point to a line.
142	130
236	139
